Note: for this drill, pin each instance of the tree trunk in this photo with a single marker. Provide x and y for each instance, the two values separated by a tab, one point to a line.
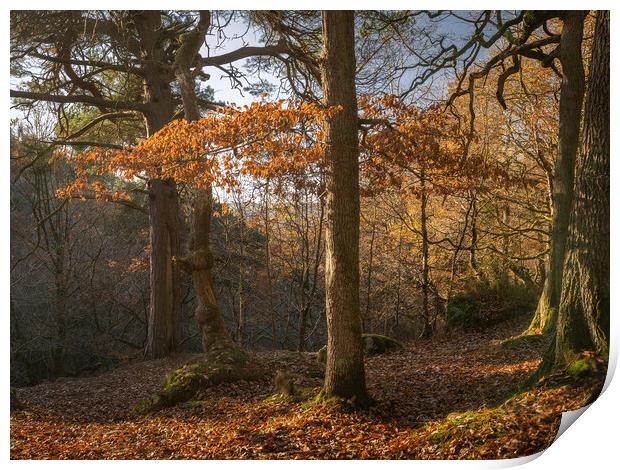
583	315
371	252
427	329
165	297
305	311
344	375
571	100
473	246
165	300
272	315
199	261
241	324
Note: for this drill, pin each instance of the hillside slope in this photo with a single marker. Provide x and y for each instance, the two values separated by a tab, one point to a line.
454	397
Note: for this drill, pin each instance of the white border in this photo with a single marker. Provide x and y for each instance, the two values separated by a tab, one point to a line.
591	443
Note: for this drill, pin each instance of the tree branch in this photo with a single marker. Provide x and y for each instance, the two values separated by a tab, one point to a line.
83	99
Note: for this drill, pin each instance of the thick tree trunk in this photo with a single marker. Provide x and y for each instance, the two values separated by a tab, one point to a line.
165	297
571	100
344	375
583	315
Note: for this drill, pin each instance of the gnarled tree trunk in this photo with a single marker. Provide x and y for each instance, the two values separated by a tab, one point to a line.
199	260
344	375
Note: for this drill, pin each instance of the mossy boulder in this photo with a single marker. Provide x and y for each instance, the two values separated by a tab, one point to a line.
215	367
587	363
374	344
487	301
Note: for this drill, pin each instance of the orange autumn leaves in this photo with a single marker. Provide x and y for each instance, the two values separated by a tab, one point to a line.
410	141
272	139
264	139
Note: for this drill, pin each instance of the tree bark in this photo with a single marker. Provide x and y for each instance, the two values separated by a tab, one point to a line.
165	296
583	315
571	101
427	329
199	260
344	375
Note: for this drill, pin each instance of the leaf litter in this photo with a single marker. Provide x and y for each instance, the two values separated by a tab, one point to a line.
461	396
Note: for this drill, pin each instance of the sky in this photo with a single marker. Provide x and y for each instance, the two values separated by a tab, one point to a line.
455	29
238	35
218	81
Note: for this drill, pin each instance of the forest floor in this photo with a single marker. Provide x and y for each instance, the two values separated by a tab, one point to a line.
458	396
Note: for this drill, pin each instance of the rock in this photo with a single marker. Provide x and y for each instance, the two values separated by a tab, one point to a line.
374	344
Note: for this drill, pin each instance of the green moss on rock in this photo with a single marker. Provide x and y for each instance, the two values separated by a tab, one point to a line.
378	344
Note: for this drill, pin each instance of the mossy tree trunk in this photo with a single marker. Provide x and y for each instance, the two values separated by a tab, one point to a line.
344	375
583	315
571	100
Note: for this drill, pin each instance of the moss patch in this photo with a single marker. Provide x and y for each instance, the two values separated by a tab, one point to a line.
579	367
458	425
215	367
527	340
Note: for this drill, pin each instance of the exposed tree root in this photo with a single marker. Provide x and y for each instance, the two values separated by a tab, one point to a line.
215	367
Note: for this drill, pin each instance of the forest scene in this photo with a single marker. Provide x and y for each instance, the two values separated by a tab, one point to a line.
296	234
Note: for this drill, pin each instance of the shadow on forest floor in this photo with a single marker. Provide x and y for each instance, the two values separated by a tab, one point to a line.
438	398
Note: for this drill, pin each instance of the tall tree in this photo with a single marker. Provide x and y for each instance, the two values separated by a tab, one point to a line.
344	375
583	316
571	101
199	260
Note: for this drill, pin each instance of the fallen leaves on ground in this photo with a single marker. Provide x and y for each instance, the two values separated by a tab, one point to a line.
444	398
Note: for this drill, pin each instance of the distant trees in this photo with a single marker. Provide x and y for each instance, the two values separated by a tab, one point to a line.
78	293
